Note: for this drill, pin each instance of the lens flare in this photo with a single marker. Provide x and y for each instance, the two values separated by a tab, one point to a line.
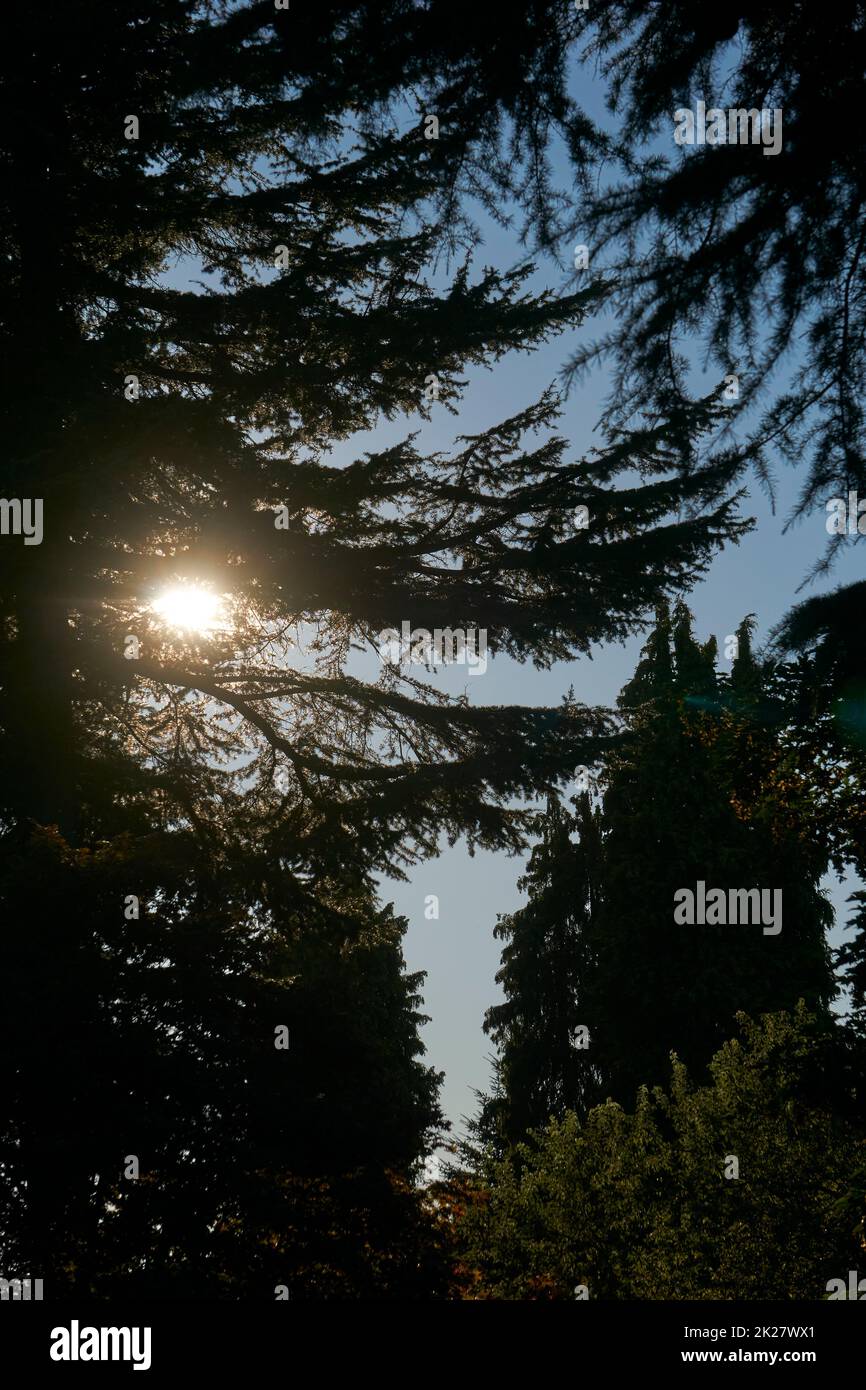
191	608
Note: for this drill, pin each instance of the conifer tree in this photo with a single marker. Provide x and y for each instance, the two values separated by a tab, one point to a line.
220	227
180	434
705	785
731	248
204	1098
543	1060
695	796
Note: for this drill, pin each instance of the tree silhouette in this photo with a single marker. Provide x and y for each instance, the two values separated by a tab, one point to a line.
221	226
215	472
544	1059
710	781
719	249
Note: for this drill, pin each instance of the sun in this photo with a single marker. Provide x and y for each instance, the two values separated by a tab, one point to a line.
191	608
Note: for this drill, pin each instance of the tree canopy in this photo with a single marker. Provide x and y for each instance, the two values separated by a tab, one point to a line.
181	433
723	257
739	1189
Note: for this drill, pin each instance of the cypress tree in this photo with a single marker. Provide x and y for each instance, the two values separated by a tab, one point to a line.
543	1060
705	784
696	796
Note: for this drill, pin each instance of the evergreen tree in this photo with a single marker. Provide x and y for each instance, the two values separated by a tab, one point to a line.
823	698
725	248
203	1101
706	784
248	141
852	956
306	167
543	1062
695	796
